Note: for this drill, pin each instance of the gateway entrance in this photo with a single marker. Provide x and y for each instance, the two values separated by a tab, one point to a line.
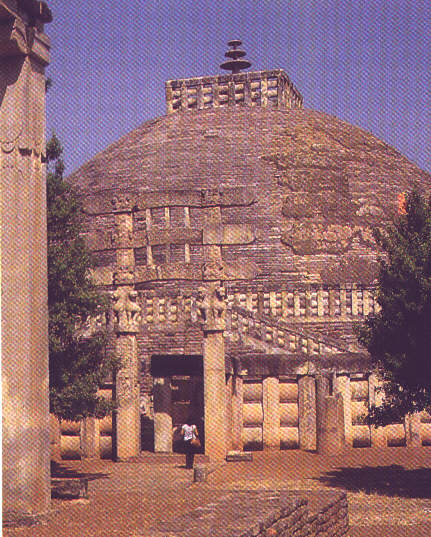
178	394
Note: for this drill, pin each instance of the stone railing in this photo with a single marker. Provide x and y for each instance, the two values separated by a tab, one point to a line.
243	323
258	88
300	305
342	302
262	514
317	304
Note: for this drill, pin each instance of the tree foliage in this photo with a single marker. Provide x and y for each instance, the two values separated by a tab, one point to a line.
398	338
77	364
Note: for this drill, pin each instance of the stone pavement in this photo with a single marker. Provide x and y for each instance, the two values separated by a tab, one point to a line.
389	491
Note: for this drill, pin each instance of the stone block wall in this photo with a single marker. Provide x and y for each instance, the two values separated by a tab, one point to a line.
264	514
330	517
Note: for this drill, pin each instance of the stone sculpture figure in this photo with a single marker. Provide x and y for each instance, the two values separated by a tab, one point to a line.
220	306
122	202
211	307
126	310
132	308
202	305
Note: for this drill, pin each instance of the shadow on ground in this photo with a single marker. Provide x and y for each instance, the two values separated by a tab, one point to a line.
60	471
391	480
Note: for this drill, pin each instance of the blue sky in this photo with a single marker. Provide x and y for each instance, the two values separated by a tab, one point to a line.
367	62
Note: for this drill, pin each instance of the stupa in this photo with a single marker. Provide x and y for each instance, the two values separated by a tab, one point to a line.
235	235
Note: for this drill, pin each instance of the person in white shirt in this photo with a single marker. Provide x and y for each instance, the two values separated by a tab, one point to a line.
191	440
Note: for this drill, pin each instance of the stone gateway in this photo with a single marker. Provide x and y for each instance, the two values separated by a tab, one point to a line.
235	235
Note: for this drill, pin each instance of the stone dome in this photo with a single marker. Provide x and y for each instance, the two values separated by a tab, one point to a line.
316	185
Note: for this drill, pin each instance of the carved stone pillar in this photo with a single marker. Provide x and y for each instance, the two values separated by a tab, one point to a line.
127	417
211	312
24	54
127	323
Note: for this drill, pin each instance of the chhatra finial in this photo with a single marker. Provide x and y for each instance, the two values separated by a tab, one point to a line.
235	64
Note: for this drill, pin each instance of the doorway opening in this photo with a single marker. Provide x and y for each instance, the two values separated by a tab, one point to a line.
184	375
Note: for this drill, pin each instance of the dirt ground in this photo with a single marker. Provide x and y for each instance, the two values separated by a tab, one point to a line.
389	491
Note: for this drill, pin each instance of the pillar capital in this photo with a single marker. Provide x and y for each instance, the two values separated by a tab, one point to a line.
21	30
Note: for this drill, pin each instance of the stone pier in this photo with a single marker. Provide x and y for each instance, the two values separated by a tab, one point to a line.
307	413
237	414
24	55
271	413
342	386
375	397
214	395
162	415
90	434
330	419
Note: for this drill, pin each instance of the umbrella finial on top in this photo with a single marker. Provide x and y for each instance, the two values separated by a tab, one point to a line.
235	64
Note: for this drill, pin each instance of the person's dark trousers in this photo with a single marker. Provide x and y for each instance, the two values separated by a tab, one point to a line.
190	454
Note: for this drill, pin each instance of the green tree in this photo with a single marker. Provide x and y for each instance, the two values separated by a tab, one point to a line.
398	338
77	364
